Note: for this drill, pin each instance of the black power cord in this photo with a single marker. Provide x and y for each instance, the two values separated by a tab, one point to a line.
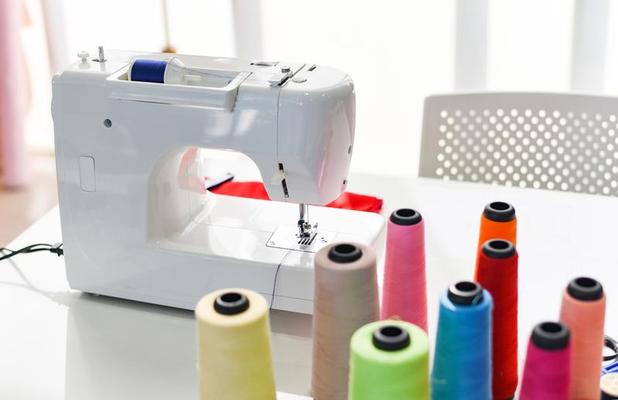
33	248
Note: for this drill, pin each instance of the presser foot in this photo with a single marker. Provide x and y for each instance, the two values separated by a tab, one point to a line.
306	232
309	241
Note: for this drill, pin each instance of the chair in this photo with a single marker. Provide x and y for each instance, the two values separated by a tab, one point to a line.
549	141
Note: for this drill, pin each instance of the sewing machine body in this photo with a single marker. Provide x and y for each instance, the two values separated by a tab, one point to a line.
137	221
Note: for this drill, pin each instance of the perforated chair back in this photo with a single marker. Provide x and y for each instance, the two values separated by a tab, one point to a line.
539	140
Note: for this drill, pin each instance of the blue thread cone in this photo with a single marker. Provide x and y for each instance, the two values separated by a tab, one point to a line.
462	364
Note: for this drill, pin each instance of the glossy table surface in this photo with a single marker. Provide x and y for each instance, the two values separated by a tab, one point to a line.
56	343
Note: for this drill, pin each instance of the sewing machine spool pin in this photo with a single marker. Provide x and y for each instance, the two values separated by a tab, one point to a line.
101	58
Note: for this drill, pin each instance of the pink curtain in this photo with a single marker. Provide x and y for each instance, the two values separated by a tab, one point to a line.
13	96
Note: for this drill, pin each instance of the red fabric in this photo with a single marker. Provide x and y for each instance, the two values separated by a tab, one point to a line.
358	202
256	190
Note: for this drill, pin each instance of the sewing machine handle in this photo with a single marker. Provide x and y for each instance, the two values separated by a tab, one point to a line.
222	98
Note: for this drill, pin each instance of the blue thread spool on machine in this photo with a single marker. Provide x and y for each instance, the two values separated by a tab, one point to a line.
173	71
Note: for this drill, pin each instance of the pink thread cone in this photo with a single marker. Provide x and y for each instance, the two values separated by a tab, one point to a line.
547	371
405	292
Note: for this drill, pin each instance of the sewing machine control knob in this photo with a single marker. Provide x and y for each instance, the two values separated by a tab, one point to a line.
83	55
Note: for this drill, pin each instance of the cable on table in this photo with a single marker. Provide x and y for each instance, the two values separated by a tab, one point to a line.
33	248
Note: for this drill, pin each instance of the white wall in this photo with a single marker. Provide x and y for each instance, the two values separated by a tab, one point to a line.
530	44
396	52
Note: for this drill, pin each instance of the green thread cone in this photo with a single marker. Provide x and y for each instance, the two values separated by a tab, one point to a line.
392	373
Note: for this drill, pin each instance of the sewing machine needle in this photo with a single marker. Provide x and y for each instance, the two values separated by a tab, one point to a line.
303	222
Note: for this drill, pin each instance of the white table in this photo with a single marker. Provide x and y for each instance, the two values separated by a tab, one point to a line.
56	343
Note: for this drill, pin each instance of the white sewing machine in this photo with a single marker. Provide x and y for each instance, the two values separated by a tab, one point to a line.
137	220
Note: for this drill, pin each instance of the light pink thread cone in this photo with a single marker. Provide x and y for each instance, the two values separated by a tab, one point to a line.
583	311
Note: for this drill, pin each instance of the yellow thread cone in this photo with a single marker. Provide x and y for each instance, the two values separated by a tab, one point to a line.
234	355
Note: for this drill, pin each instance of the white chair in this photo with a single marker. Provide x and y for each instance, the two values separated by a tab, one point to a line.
539	140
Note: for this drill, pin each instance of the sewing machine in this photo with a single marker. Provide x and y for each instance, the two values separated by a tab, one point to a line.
137	220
